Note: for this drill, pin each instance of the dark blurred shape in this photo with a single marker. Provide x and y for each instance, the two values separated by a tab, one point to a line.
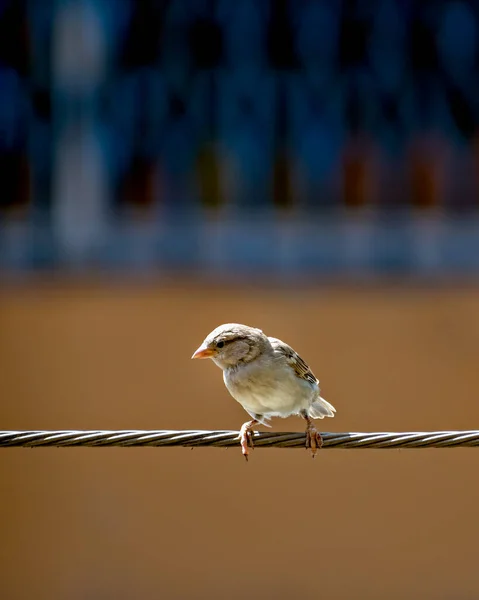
14	107
15	178
209	171
205	40
143	39
280	36
354	33
138	187
283	193
14	36
423	52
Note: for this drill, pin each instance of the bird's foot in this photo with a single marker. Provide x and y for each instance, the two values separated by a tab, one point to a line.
314	439
246	439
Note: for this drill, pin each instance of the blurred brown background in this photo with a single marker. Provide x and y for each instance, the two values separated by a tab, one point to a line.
175	523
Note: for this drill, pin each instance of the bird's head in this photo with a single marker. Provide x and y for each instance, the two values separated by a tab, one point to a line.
231	344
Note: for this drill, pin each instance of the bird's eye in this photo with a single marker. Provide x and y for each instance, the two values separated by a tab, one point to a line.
220	344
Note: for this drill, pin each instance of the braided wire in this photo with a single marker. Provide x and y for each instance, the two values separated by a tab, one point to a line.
194	438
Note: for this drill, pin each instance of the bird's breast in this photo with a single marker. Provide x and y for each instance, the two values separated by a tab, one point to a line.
267	391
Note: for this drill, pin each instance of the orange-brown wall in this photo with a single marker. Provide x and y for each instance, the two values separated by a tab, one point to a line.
174	523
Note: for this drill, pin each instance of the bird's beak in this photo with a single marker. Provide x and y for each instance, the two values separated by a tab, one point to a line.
203	352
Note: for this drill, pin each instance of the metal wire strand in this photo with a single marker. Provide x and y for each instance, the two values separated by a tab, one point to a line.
224	439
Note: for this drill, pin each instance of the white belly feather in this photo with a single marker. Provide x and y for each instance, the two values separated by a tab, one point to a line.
265	395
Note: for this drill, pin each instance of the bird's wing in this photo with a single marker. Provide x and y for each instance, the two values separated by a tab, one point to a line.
295	361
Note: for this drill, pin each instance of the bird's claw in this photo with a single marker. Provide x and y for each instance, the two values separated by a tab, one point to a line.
314	440
246	439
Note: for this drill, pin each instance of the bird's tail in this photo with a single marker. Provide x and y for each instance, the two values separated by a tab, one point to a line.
321	408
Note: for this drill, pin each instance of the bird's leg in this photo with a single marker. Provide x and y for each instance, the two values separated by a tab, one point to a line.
246	436
313	437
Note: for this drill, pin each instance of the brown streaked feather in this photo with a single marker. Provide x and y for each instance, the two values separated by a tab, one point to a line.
295	361
230	332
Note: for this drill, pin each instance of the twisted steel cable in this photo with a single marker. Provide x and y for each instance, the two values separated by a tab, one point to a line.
195	438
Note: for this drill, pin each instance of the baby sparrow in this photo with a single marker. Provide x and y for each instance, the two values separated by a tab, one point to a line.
267	377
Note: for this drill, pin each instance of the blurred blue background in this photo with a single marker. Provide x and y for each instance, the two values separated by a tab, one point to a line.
293	136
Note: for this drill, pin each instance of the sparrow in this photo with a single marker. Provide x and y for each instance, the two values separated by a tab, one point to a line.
267	377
